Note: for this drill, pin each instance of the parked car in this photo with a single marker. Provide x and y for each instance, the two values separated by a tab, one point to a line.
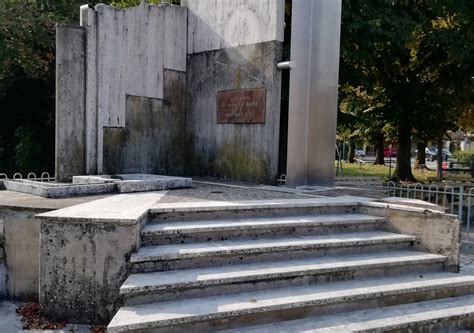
360	153
445	154
430	154
389	152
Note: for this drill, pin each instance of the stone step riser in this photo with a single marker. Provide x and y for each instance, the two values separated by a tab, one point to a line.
220	214
269	255
163	238
235	320
453	324
171	294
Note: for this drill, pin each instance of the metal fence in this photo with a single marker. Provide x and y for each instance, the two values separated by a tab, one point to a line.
456	199
44	177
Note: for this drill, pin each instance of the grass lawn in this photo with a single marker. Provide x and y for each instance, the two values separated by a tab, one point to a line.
381	171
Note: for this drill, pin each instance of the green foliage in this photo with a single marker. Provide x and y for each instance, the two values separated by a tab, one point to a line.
409	63
129	3
29	151
26	43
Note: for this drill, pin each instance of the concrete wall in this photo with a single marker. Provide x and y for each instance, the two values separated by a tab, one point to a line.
126	55
233	151
137	61
70	102
21	245
218	24
436	232
233	45
153	140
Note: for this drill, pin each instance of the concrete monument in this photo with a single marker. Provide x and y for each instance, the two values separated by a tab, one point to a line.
195	90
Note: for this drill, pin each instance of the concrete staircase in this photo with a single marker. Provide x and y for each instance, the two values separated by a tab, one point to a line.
320	269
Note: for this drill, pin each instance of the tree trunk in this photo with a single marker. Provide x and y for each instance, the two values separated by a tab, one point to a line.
403	170
352	149
440	157
421	154
379	154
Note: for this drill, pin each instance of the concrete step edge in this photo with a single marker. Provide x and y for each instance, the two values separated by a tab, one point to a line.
258	223
201	277
398	317
232	306
225	248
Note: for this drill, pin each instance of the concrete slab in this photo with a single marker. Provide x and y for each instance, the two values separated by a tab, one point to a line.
118	209
54	190
92	185
22	201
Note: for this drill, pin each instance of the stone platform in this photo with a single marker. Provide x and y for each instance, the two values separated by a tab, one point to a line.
108	236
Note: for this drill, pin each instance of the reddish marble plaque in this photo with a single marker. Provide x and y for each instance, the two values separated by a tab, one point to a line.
241	106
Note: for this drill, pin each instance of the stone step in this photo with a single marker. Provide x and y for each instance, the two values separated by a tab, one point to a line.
245	228
168	257
171	285
224	210
236	310
447	314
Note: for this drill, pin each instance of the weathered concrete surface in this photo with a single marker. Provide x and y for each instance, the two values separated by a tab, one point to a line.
55	190
436	232
83	256
94	185
125	56
218	24
153	139
233	151
81	268
21	253
22	201
20	230
70	102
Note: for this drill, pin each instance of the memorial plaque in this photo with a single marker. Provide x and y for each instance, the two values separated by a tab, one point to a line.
241	106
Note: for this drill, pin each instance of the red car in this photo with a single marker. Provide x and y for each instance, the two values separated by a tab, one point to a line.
389	152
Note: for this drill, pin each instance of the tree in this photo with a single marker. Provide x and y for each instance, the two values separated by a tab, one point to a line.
418	54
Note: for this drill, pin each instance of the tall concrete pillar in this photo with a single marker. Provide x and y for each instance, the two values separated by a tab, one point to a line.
315	46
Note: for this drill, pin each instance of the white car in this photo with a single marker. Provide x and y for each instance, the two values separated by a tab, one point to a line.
360	153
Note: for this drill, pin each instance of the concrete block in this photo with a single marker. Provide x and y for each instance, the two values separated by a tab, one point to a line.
52	190
70	102
83	256
82	267
126	56
153	140
157	183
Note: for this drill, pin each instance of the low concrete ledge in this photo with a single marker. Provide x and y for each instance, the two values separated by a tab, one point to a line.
117	209
436	231
51	190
